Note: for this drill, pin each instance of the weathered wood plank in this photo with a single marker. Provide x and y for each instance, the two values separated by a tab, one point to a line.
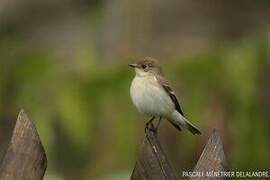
25	158
212	158
152	163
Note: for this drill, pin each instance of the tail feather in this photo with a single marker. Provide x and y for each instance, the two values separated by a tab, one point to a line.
192	128
178	127
183	122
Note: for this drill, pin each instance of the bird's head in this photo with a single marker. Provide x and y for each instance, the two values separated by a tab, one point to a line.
146	67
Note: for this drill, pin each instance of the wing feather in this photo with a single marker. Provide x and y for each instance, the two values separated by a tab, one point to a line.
165	84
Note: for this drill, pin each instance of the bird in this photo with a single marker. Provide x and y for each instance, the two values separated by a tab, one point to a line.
152	95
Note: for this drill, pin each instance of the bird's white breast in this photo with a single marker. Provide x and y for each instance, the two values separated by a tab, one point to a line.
149	97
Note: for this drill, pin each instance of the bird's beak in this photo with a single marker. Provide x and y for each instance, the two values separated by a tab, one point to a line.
133	65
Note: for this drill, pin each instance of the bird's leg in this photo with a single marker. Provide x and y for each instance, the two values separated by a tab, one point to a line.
149	125
156	128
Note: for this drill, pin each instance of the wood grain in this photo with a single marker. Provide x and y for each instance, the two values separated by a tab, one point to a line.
212	158
25	158
152	163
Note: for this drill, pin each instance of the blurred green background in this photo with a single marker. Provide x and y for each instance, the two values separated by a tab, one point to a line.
65	63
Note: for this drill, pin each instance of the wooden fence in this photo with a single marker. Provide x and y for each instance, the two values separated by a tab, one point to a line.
25	158
152	163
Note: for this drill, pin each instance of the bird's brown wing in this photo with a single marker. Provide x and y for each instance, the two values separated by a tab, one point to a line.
165	84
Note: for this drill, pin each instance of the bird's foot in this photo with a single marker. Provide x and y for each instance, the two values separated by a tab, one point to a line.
149	126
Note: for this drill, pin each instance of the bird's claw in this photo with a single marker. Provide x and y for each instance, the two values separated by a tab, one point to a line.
149	126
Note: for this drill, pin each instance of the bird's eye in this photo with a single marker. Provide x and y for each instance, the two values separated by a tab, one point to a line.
143	66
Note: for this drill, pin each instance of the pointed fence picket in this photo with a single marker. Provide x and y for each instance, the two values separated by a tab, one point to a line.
25	158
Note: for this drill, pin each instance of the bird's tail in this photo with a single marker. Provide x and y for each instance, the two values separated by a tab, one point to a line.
183	122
